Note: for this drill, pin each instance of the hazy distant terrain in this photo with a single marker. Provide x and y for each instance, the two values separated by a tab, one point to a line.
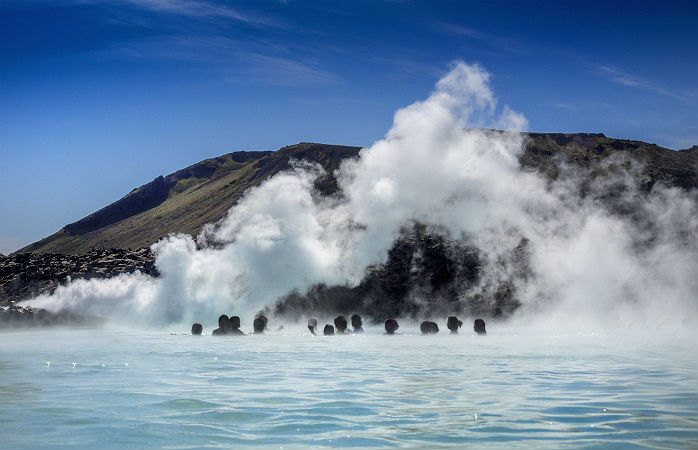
186	200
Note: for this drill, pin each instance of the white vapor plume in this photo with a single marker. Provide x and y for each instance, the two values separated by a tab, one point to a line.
437	165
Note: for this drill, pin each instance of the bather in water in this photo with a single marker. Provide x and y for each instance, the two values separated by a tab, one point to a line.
235	326
259	324
428	327
312	325
479	326
329	330
453	324
390	326
196	329
223	325
357	324
340	324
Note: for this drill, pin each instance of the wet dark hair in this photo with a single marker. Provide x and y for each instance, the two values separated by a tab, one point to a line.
259	325
453	324
234	322
196	329
223	322
479	326
356	322
428	327
391	325
340	323
329	330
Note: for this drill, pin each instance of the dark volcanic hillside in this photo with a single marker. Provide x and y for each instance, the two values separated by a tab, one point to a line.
184	201
444	273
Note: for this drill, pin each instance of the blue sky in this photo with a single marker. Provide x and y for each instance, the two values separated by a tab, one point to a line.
99	97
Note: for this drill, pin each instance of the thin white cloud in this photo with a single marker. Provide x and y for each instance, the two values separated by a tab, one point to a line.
465	31
194	9
268	69
578	105
633	81
406	64
340	100
565	106
203	9
494	40
249	62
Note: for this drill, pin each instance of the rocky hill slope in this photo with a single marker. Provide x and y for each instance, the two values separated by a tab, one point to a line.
185	200
26	275
447	272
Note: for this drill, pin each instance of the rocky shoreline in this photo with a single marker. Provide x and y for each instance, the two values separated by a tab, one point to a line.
17	316
26	275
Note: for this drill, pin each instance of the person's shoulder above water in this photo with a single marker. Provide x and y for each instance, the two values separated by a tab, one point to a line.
223	325
235	326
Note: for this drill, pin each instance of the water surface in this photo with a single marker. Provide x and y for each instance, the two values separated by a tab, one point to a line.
125	389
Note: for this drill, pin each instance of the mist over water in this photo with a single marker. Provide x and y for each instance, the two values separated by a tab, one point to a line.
628	260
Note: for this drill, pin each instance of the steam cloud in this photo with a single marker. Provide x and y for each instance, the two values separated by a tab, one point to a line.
437	165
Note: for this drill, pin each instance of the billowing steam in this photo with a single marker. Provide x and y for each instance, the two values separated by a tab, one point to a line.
438	165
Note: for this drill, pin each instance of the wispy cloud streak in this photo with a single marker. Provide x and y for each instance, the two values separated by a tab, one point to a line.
237	61
193	9
633	81
501	43
202	9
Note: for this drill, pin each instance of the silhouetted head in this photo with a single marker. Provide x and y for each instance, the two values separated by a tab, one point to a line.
340	323
312	324
391	325
479	326
329	330
258	325
428	327
223	322
234	322
196	329
453	324
424	327
356	323
264	318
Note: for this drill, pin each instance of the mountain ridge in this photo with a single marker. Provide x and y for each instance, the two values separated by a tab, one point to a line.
187	199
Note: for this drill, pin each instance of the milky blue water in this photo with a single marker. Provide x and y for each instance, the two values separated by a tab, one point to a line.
135	389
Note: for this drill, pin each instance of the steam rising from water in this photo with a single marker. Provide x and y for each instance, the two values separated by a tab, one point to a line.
588	263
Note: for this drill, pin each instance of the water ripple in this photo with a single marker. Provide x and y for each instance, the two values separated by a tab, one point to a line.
370	391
